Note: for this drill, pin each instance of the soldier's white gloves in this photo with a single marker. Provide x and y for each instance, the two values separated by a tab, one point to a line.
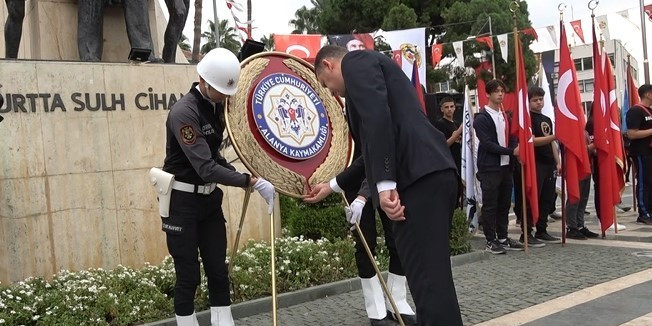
266	190
354	211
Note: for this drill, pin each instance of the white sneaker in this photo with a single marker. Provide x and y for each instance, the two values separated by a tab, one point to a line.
620	228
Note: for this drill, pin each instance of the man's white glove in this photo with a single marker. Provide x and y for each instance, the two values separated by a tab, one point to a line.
353	212
266	190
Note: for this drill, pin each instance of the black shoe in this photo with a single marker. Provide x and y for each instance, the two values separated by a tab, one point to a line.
495	248
623	208
544	236
382	322
409	320
587	233
644	219
587	213
532	242
556	216
510	244
575	234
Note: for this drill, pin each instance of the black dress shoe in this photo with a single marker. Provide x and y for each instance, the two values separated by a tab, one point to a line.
409	320
382	322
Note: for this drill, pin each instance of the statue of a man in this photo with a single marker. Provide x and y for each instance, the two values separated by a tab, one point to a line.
178	10
14	27
90	38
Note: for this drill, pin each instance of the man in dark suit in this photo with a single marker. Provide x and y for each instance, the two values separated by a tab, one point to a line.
405	161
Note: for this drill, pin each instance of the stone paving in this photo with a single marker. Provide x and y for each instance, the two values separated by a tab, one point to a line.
489	288
502	284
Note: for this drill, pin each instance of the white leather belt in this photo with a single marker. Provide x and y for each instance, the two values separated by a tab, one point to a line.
206	189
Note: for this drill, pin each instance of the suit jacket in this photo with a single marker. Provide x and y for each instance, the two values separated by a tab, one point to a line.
397	142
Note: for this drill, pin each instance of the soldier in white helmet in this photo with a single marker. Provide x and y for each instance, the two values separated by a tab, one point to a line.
196	223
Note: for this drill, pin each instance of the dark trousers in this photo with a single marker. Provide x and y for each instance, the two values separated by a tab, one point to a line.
496	200
368	228
644	183
422	243
575	211
595	174
196	223
545	191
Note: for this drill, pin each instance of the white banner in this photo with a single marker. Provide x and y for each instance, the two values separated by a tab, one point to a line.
469	167
459	51
502	40
412	46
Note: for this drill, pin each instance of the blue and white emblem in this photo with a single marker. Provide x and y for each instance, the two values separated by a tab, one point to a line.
290	116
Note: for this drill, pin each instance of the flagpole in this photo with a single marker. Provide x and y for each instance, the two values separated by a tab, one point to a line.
217	24
512	7
493	58
643	34
633	167
563	194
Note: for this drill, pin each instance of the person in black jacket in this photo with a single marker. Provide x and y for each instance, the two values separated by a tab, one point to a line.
494	171
452	130
405	161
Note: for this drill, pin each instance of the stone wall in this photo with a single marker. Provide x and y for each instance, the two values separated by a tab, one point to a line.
74	192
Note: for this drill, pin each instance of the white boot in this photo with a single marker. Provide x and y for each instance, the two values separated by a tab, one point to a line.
221	316
187	320
373	298
396	285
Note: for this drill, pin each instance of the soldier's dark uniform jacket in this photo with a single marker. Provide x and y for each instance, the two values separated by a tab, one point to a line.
196	223
194	134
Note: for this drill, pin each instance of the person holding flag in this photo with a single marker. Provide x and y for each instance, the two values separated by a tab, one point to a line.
452	131
547	162
639	124
494	169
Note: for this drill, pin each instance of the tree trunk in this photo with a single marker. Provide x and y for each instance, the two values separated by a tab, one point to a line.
197	32
249	18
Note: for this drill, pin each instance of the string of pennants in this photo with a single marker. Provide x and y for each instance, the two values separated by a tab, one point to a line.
576	25
239	24
437	49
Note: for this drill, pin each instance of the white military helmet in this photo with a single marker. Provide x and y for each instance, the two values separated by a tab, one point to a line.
220	68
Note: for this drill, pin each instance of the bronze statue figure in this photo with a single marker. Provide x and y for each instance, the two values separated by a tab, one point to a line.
14	27
90	22
178	10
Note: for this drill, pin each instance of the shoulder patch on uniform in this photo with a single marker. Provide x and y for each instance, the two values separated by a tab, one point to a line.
188	135
546	129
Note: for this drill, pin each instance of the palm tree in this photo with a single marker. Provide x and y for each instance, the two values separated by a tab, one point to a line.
197	32
183	43
229	37
268	41
305	21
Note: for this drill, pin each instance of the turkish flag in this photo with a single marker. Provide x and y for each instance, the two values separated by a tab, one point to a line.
602	138
577	27
486	40
648	11
570	122
436	52
525	138
631	88
531	31
397	55
304	46
616	136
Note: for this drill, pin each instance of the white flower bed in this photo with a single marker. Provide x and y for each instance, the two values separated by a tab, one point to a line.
125	296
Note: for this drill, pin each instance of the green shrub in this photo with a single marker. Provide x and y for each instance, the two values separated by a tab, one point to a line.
460	238
322	220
